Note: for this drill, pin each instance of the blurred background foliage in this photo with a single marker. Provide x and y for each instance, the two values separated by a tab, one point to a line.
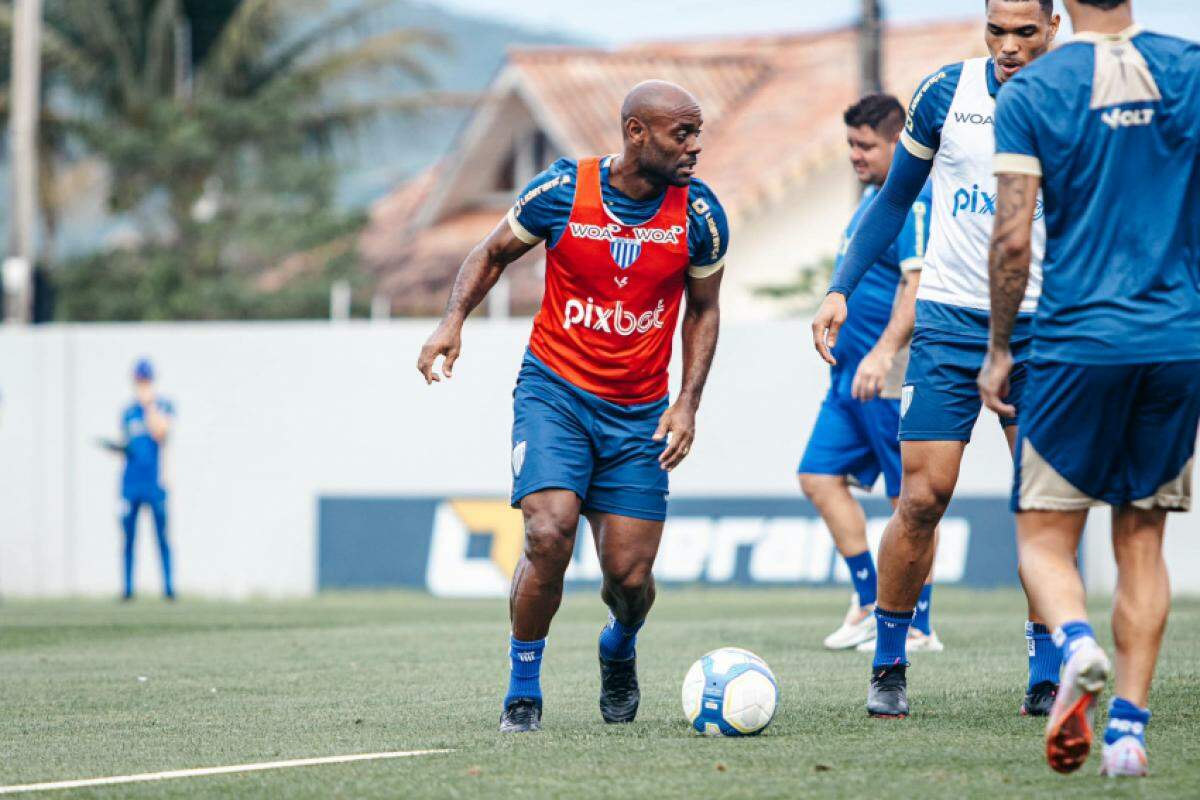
214	121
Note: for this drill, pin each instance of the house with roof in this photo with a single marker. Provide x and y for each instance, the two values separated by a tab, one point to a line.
774	152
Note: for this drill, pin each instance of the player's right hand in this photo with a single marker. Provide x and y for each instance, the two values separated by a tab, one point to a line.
446	341
871	375
827	323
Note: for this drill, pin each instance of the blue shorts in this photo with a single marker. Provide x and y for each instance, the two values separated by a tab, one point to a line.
856	440
940	399
566	438
1112	433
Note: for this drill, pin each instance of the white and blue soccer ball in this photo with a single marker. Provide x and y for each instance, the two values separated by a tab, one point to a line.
730	692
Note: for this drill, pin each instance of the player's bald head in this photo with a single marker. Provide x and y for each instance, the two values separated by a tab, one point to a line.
654	100
660	123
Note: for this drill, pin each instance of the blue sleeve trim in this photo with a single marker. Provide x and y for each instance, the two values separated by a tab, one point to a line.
708	231
883	220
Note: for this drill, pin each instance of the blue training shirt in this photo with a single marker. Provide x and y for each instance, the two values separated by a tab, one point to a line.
141	450
870	307
1112	125
543	208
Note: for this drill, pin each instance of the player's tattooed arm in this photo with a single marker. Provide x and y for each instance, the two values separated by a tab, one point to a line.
477	275
1008	271
701	324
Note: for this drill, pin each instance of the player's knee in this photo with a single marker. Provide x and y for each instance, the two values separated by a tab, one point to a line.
815	487
549	540
922	504
629	578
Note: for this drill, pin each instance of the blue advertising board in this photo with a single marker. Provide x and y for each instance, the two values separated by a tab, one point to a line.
469	546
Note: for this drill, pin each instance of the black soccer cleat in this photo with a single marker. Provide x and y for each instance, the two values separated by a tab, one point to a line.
522	715
1039	699
619	693
887	696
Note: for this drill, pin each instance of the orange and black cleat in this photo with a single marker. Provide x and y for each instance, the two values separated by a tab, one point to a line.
1069	729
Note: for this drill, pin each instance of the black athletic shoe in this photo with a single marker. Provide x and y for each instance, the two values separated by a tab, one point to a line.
619	694
522	715
1039	699
888	694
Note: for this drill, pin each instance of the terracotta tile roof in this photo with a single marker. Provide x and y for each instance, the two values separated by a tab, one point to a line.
772	106
428	262
584	89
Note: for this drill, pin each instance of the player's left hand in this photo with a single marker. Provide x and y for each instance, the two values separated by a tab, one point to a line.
678	426
993	381
871	373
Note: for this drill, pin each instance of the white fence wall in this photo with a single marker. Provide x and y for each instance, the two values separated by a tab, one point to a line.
272	415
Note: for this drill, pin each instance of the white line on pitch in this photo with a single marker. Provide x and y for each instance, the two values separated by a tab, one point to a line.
195	773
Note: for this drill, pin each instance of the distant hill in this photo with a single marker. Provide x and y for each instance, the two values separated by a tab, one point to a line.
386	153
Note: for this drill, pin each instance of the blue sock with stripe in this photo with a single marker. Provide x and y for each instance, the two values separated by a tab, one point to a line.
618	642
862	573
924	604
1126	719
891	637
1045	659
525	674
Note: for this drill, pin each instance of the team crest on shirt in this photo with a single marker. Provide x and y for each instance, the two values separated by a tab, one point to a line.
624	251
906	398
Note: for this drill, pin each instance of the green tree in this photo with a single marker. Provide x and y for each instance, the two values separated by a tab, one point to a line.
220	152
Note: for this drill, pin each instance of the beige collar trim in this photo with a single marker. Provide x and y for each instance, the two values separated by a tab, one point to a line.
1108	38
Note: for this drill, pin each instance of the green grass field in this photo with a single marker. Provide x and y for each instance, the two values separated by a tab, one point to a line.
240	683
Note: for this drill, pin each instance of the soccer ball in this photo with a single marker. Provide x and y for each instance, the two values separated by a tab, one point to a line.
730	692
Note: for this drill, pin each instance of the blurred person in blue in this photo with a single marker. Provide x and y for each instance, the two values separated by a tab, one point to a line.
854	439
145	424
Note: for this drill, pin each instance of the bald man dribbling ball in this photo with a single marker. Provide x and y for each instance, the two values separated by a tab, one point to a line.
594	431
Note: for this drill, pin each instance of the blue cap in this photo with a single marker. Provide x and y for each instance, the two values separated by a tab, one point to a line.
143	370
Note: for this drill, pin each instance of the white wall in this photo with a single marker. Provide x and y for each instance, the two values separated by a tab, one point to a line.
272	415
795	230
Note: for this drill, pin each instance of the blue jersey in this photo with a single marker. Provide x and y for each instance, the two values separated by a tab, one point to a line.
1112	125
141	451
543	208
870	307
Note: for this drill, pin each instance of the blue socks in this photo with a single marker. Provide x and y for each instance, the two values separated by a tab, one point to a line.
891	637
1126	719
1045	659
921	617
524	679
1070	635
862	572
618	641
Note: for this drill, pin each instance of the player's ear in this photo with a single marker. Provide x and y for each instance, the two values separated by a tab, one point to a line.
1055	21
635	130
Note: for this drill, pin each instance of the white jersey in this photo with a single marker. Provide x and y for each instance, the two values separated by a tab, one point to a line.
951	121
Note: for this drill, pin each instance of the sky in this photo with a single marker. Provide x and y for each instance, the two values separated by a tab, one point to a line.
615	22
